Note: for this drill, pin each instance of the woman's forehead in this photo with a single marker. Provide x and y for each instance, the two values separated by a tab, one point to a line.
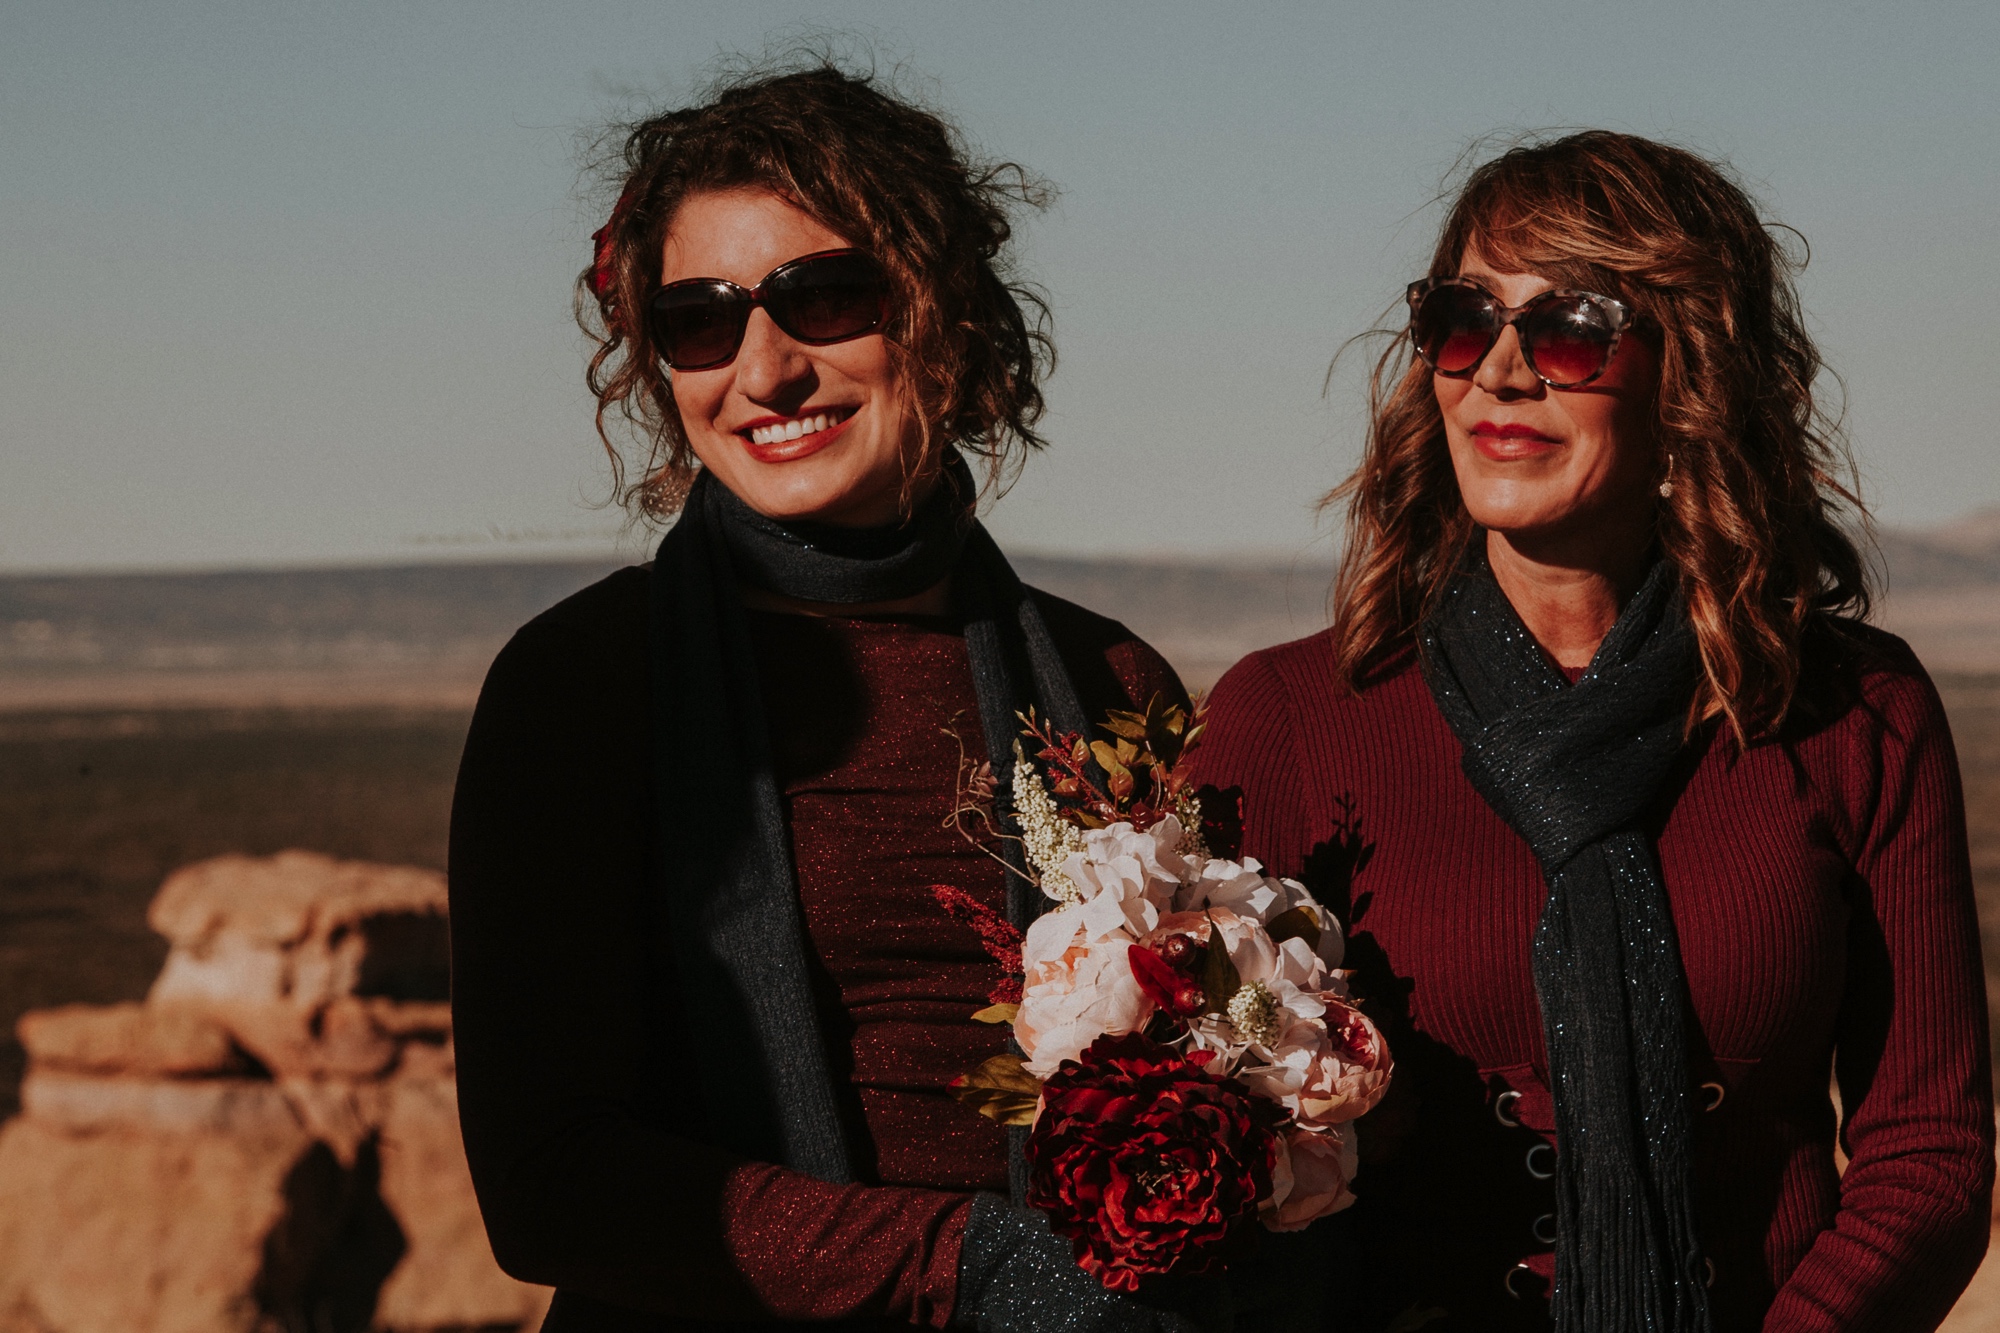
740	234
1504	276
1492	262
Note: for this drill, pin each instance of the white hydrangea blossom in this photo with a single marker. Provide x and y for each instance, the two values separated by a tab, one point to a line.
1128	877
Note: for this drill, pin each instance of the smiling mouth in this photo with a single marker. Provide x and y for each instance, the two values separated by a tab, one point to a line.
796	428
1512	442
1510	431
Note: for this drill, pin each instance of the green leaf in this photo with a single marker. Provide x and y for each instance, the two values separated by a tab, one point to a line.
1299	923
1000	1089
997	1013
1219	978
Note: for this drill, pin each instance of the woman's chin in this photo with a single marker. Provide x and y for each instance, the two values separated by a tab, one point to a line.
1529	522
796	493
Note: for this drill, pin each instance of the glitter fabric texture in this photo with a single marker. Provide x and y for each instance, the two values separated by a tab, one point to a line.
859	711
858	716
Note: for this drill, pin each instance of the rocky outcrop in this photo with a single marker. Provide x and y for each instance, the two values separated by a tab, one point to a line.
270	1141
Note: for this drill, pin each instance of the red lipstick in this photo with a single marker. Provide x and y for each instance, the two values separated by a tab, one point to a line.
1506	442
790	451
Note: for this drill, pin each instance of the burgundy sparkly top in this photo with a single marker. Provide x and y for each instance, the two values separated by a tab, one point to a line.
577	1127
1822	896
859	713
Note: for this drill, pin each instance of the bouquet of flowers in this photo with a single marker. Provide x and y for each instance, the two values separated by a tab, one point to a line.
1189	1057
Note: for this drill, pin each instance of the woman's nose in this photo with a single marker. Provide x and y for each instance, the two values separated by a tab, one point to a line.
1505	371
770	366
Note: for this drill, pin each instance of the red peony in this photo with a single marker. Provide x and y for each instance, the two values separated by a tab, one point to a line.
1146	1160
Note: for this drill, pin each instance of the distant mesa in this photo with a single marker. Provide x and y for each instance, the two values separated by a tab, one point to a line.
1964	553
424	634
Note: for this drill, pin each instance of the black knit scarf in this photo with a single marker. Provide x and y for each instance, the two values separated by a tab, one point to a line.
724	856
1571	769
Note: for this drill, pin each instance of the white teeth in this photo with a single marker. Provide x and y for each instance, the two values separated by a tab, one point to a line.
792	430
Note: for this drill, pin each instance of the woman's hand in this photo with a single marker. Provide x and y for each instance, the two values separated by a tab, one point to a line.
1017	1276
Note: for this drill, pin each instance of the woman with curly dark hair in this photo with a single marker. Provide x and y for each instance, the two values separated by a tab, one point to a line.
716	944
1642	835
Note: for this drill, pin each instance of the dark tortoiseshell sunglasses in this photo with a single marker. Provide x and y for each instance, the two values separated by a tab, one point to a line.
1567	337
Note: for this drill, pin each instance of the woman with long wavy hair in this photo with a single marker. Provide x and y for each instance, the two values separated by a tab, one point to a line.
716	946
1642	834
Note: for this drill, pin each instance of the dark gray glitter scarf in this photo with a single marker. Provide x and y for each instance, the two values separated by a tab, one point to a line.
1571	768
724	854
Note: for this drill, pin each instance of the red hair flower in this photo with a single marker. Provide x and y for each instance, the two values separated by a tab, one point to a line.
604	255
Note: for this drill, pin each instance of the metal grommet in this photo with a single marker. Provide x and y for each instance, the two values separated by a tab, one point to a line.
1549	1174
1503	1107
1716	1092
1708	1272
1545	1228
1508	1281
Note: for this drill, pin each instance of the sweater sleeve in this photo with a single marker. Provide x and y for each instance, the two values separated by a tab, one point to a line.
566	1041
1912	1058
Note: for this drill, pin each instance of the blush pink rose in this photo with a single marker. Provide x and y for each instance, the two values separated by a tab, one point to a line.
1311	1178
1327	1070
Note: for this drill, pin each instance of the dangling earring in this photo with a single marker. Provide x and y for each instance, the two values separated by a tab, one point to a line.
666	491
1667	482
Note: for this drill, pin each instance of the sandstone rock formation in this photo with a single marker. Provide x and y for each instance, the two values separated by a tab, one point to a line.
270	1142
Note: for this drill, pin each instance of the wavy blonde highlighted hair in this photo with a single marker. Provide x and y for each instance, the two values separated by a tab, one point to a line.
1764	509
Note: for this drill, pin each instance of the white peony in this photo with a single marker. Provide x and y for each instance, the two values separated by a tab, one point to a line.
1241	887
1076	987
1281	983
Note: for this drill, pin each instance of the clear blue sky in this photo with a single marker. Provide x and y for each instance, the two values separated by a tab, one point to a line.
289	282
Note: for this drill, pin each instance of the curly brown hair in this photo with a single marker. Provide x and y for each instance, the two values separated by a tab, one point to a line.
1764	507
891	178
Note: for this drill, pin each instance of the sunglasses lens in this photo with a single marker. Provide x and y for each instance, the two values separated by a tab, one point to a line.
699	324
1454	327
828	299
1569	339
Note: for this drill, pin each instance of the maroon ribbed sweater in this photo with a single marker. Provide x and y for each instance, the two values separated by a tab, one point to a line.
1822	893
